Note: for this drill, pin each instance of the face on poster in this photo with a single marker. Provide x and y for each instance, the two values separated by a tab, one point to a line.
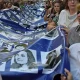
24	61
51	60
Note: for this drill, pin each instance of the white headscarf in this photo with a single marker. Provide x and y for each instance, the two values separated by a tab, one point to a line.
75	60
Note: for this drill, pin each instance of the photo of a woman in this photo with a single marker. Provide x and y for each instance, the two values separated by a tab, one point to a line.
23	60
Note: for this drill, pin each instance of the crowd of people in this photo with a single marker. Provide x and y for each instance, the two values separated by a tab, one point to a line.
8	4
67	14
11	4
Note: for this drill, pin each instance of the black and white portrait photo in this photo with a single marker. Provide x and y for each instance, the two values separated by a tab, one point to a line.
51	59
23	61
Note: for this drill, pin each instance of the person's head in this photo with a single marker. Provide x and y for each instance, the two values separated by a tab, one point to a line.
21	57
57	6
4	5
21	46
9	5
71	4
51	25
78	12
1	1
16	4
24	57
47	6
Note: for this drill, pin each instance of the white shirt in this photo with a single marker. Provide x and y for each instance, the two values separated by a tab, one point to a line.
75	60
66	19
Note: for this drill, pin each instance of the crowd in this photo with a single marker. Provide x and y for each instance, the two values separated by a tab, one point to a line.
8	4
12	4
67	14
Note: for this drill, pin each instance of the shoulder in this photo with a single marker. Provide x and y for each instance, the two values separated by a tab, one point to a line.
64	11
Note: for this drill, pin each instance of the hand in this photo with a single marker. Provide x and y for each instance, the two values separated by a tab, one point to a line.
66	34
68	50
65	29
50	26
63	77
69	75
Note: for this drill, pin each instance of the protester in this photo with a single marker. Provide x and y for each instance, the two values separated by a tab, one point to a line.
9	5
50	26
68	16
16	4
54	15
47	10
4	5
57	10
47	5
74	41
53	11
75	60
73	35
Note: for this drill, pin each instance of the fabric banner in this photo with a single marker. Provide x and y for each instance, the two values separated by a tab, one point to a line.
23	19
41	59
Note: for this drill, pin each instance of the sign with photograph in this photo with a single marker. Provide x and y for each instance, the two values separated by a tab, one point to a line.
42	59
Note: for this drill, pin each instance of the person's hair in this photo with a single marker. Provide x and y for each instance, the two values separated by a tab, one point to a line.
66	4
58	3
30	57
48	4
16	4
78	7
21	44
9	4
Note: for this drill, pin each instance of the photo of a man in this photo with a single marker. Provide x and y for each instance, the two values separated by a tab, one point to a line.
52	59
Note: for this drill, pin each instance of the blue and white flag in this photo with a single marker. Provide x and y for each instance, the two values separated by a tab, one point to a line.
40	60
